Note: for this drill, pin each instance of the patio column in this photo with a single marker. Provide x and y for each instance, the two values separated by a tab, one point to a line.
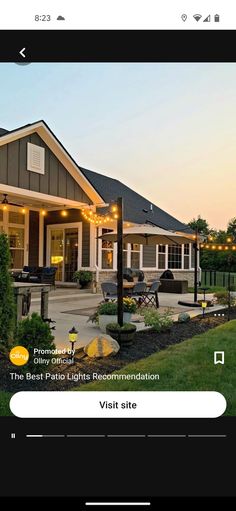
120	259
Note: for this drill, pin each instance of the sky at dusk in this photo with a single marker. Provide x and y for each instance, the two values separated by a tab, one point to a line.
166	130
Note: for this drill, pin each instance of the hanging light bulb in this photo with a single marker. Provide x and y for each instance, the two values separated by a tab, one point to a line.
64	212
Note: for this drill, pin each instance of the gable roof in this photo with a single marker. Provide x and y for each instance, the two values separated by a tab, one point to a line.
58	149
134	203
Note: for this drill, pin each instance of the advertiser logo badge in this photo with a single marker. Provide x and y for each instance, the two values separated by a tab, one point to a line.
19	356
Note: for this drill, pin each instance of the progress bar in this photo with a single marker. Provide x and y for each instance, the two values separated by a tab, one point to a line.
117	503
207	436
124	436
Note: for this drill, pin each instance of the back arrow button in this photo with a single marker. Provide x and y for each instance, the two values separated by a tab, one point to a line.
21	52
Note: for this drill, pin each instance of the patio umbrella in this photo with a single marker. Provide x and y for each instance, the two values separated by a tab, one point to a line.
145	234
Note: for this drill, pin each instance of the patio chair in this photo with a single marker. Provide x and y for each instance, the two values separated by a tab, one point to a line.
109	291
150	297
138	291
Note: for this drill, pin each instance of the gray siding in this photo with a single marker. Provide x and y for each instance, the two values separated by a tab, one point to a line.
86	244
33	238
149	256
56	181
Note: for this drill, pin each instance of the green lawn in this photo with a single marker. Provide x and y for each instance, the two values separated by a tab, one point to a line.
4	403
211	289
187	366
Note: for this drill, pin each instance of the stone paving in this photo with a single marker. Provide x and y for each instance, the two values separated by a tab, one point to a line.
63	300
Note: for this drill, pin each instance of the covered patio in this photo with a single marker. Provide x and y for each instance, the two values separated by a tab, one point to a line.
72	307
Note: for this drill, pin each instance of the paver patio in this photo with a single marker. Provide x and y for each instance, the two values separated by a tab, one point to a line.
61	301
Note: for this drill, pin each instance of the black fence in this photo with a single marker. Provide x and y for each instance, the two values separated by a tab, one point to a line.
218	278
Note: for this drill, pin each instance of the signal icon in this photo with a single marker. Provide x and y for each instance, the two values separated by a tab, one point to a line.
197	17
207	19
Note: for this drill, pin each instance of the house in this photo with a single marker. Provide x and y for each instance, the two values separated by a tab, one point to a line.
43	193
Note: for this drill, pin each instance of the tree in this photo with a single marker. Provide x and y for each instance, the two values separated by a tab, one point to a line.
7	303
33	332
231	228
200	224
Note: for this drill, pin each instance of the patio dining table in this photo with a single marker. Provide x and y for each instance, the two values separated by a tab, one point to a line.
130	285
22	289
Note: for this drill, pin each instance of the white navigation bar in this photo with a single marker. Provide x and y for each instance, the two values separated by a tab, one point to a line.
110	405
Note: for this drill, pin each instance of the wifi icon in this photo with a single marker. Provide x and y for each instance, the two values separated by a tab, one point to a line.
197	17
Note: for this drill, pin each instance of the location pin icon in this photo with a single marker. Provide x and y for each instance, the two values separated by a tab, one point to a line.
184	17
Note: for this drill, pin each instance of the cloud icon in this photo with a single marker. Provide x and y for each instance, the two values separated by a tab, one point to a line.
60	18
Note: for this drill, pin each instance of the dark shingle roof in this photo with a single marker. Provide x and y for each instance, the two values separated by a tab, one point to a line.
110	189
3	132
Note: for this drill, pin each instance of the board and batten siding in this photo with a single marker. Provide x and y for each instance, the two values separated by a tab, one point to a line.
73	215
149	256
56	181
33	238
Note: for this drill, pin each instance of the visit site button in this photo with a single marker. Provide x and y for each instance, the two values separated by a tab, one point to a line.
130	405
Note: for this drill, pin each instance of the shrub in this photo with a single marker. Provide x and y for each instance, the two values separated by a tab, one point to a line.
126	326
225	298
183	317
32	333
109	308
7	303
159	322
83	276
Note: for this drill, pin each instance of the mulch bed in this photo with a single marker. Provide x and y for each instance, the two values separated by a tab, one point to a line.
146	343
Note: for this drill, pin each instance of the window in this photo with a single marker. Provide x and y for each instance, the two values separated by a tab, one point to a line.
186	256
35	158
125	255
107	252
17	241
135	255
149	256
16	217
161	257
175	256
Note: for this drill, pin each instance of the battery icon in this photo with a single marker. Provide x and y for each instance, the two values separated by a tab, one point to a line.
217	18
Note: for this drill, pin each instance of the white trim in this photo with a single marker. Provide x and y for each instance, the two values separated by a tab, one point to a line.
80	241
141	257
42	197
182	256
92	234
50	140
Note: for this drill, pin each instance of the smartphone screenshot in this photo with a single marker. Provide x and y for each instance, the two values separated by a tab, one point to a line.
117	251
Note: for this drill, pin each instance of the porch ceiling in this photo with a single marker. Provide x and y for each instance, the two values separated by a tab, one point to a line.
36	200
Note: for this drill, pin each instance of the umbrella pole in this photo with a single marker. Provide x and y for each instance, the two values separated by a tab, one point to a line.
120	259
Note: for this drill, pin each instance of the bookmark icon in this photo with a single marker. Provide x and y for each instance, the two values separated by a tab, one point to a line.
219	357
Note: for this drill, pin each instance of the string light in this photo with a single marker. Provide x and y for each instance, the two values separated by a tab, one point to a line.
23	211
217	247
98	219
5	208
43	212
